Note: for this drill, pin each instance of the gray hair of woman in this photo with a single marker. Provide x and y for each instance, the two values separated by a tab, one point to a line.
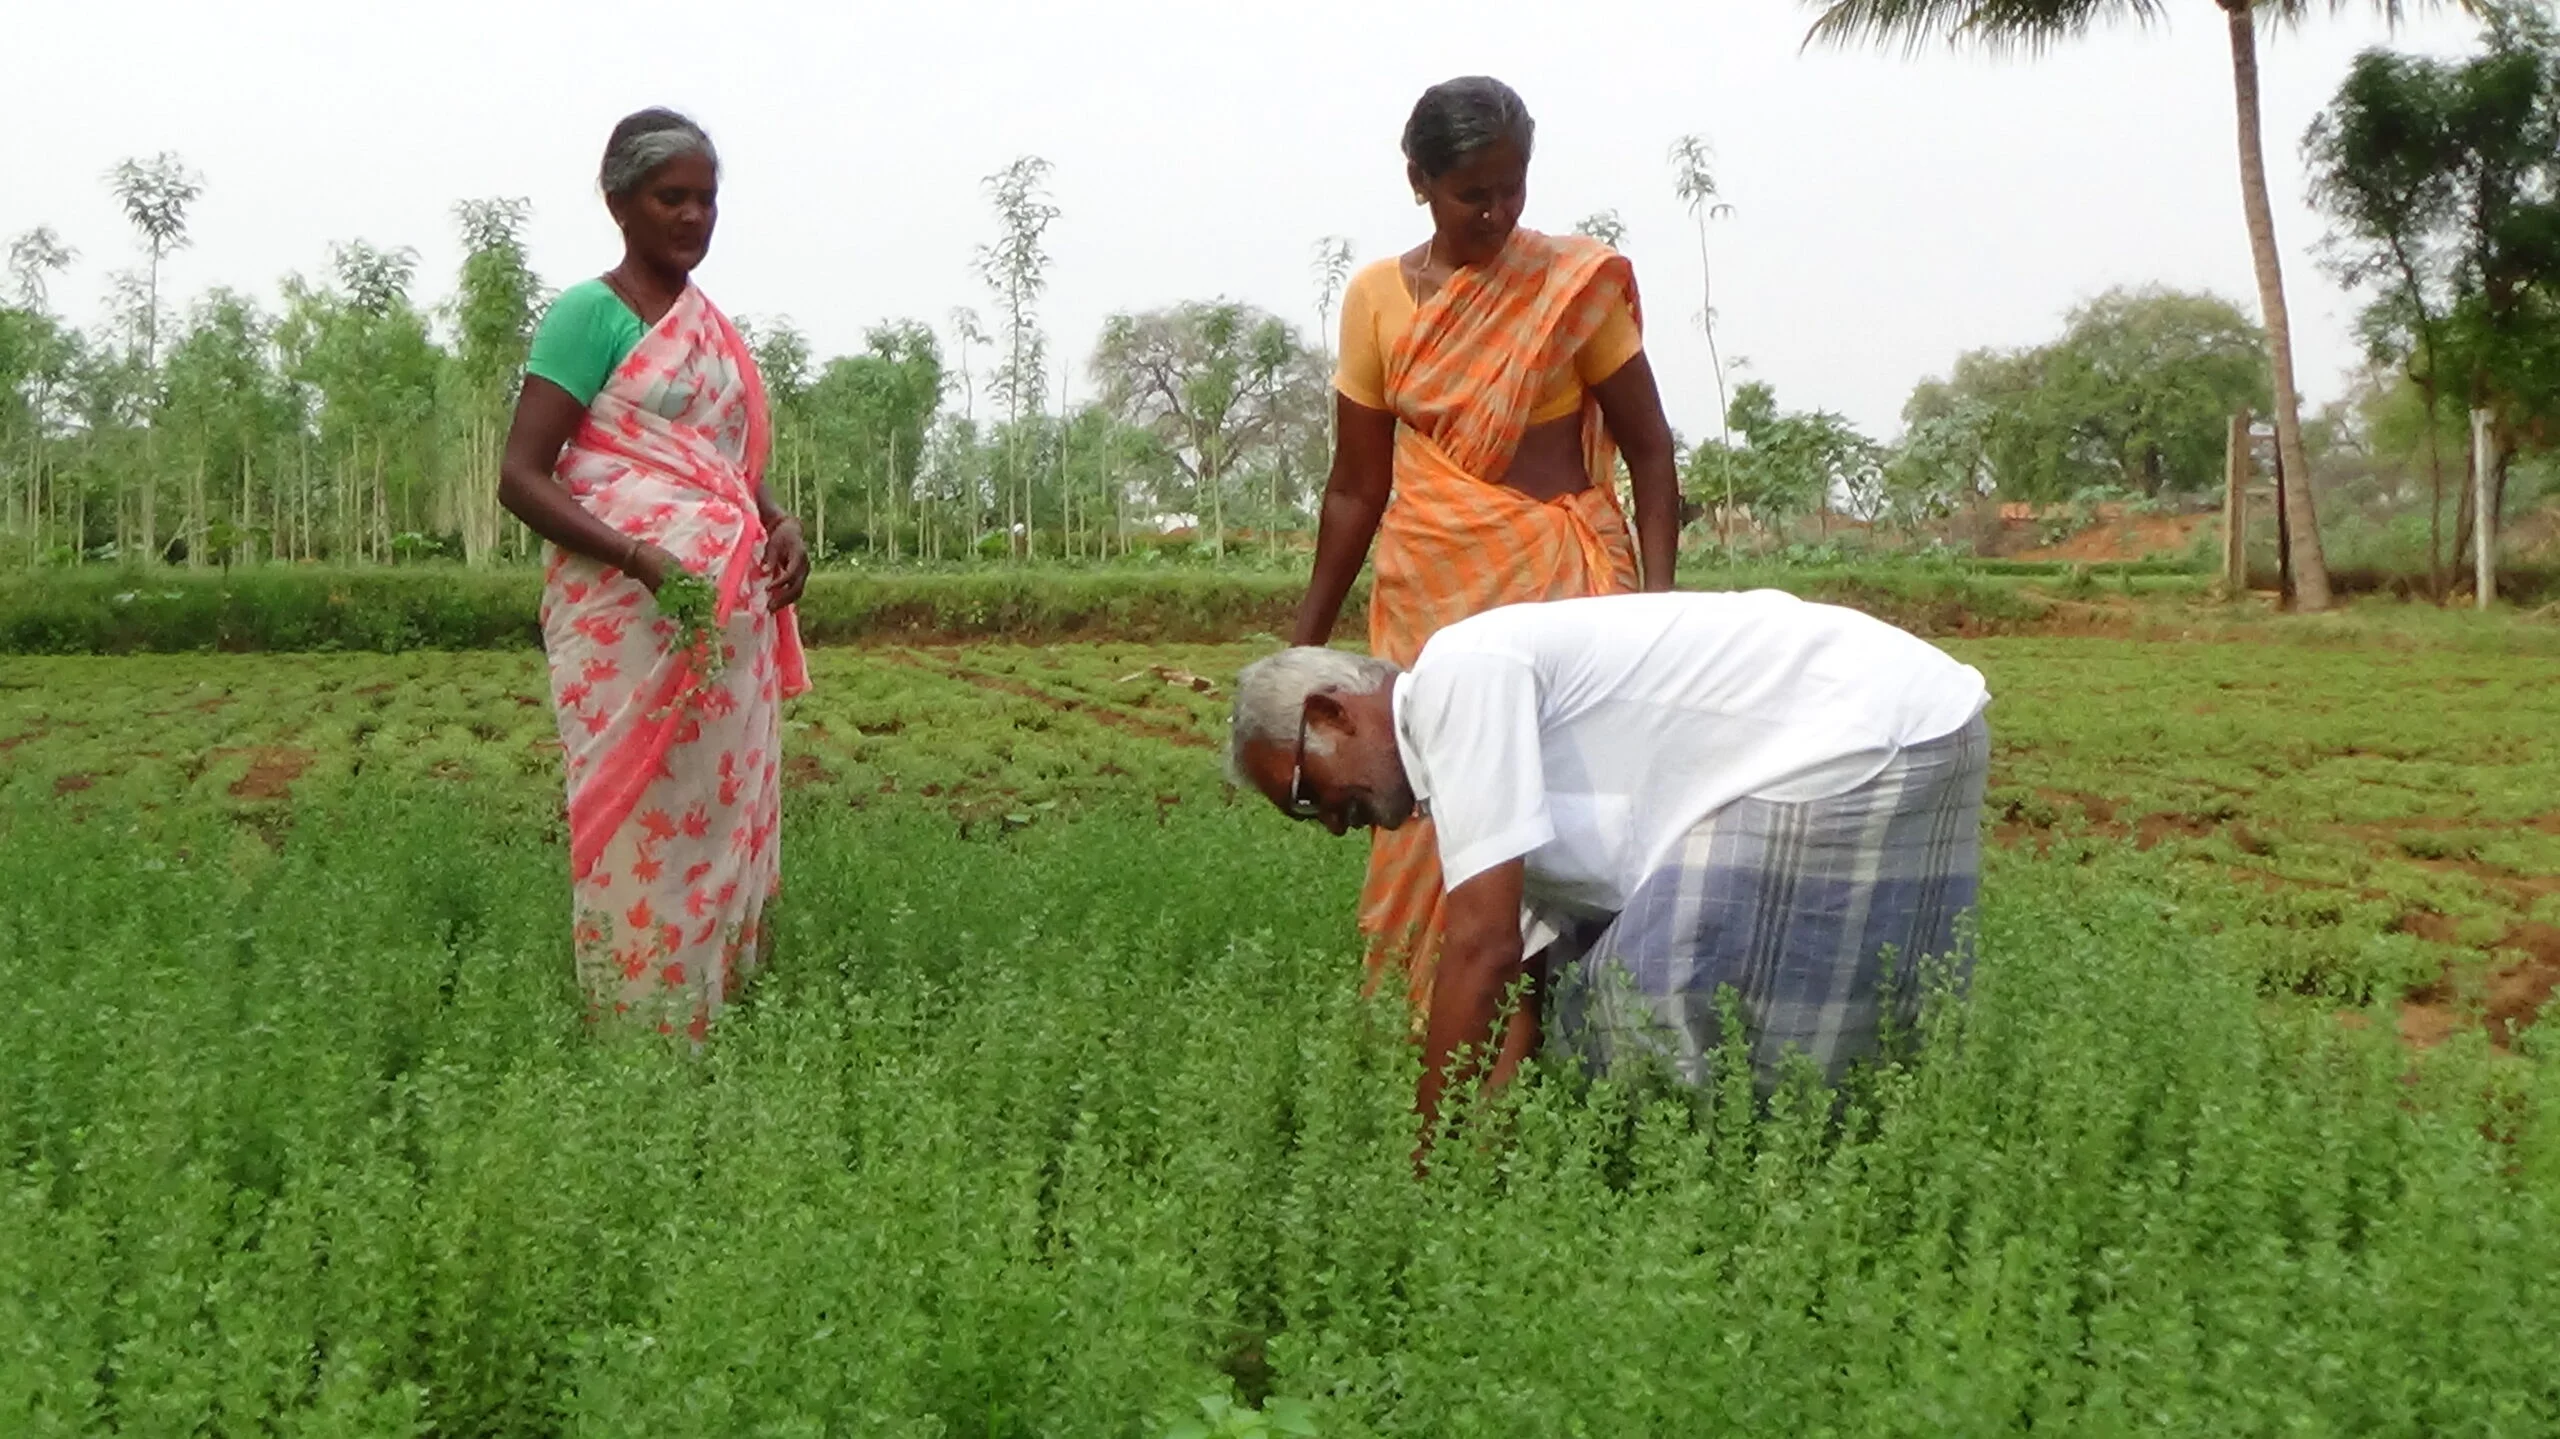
645	141
1271	698
1456	118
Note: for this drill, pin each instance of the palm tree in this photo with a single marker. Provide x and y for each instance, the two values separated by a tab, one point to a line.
2003	26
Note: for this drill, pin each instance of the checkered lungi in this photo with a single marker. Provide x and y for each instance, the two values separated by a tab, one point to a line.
1820	914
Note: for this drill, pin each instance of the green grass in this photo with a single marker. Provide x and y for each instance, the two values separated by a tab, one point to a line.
1061	1111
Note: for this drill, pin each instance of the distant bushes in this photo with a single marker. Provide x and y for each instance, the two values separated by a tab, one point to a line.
1927	597
1046	604
449	608
435	607
2528	585
281	608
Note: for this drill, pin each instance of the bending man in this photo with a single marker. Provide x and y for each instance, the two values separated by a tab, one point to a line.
1658	795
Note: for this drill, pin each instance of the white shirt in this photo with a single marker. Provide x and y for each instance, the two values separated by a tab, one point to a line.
1586	737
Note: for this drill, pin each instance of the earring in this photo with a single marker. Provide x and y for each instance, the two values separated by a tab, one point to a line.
1420	198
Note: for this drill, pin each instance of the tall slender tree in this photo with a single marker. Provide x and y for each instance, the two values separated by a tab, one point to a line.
784	359
493	313
1693	180
156	195
37	354
967	330
1016	267
1333	273
35	257
1604	226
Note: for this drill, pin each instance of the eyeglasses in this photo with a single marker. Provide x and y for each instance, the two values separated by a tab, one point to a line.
1300	807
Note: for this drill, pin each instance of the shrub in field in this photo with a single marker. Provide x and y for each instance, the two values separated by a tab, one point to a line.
1083	1128
1052	604
1925	598
450	608
280	608
429	607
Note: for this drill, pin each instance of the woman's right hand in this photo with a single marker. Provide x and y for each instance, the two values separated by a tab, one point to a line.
651	565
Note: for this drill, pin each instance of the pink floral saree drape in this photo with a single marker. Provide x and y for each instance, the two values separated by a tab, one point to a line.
674	779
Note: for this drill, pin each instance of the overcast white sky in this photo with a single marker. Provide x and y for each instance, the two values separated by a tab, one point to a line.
1889	212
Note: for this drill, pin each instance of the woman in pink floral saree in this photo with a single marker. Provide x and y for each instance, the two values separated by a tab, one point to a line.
638	451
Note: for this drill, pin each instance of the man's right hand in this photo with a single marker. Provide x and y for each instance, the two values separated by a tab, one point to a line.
1480	960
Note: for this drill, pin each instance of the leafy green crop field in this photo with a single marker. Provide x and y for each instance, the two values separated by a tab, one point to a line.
1061	1112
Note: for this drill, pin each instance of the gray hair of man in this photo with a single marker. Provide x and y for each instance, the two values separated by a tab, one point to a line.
1271	698
644	141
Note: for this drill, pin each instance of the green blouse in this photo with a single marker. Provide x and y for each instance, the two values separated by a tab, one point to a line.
586	332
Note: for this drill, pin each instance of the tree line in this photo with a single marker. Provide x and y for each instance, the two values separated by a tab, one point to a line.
345	421
2033	26
2440	183
348	423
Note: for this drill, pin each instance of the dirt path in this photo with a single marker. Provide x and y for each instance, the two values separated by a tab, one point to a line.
2131	537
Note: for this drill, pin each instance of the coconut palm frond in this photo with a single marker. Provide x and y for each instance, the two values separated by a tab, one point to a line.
1999	27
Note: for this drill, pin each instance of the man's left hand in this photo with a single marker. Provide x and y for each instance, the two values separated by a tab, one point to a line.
786	563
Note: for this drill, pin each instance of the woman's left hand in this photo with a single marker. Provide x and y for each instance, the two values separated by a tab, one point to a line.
786	563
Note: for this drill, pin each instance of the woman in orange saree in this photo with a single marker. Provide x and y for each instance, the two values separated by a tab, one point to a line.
1490	378
638	452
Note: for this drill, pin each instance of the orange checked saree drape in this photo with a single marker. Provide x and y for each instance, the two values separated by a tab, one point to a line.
1462	380
674	778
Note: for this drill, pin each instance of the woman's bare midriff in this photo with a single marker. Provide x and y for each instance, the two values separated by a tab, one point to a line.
1549	460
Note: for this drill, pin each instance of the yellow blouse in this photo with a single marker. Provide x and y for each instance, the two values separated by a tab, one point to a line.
1377	308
